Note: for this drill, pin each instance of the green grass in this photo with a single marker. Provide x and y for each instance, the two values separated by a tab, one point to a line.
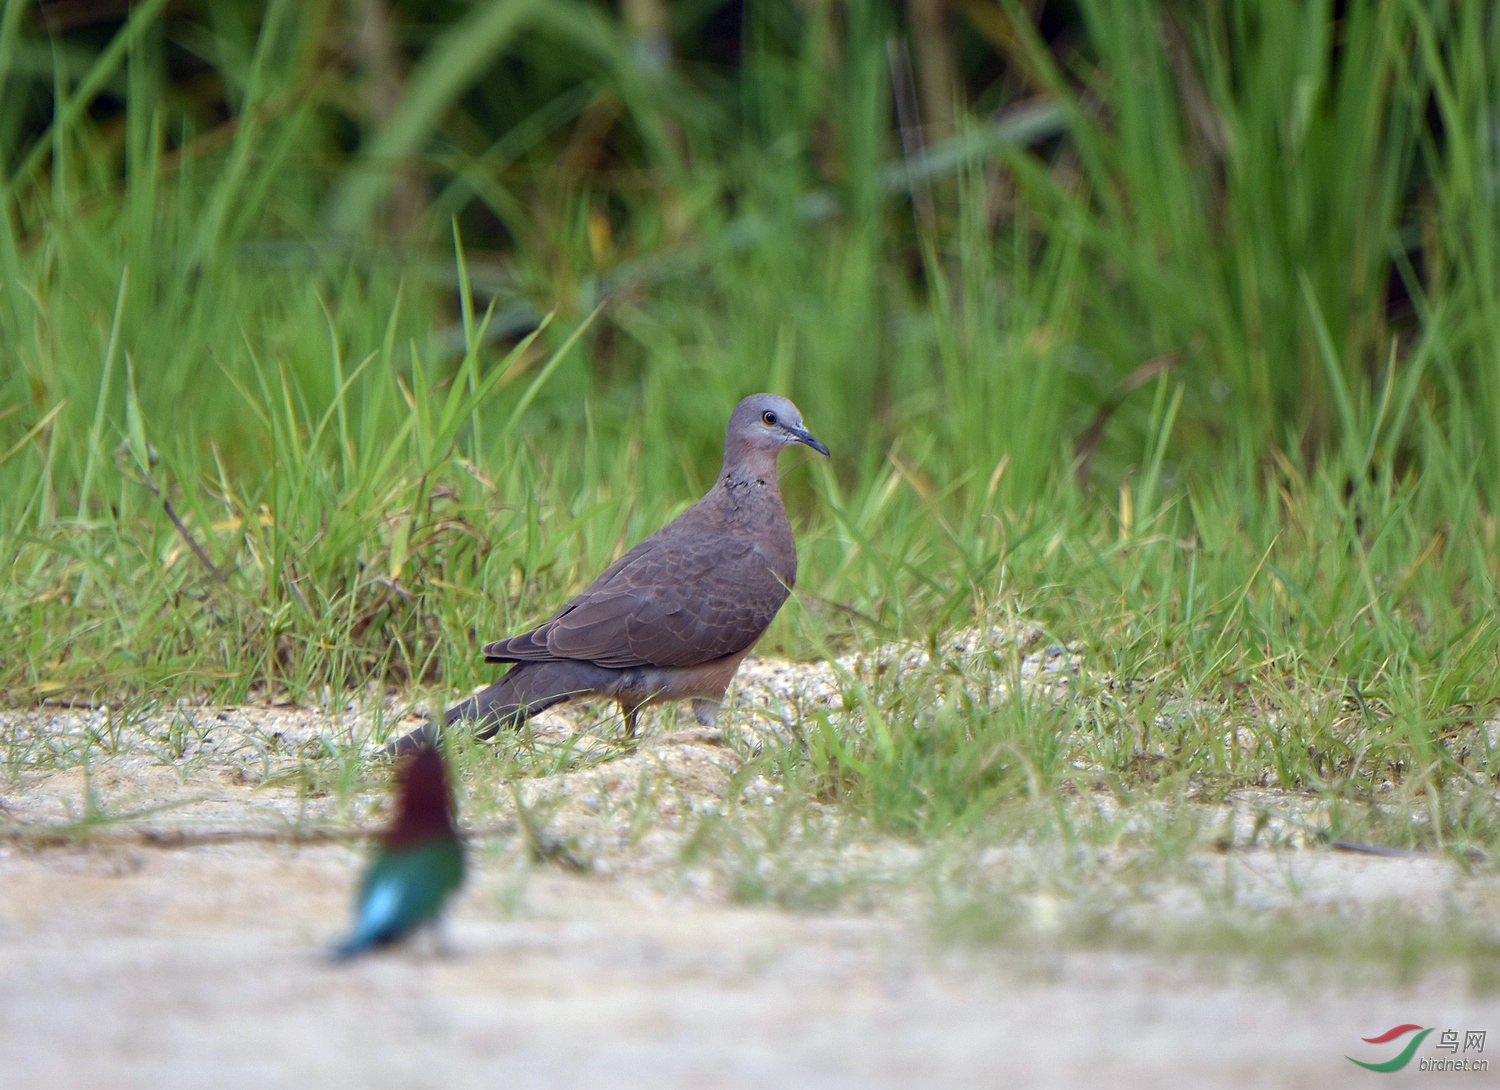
1192	372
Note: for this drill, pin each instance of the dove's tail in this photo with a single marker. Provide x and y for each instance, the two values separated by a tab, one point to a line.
528	688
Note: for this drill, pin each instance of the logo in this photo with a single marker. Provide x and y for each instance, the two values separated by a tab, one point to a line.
1402	1058
1447	1041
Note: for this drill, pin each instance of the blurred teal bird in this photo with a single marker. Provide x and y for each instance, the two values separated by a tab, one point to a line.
418	863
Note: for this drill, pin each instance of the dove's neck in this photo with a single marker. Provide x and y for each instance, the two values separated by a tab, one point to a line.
749	467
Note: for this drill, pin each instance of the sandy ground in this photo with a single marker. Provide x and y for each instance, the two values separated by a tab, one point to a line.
127	961
202	967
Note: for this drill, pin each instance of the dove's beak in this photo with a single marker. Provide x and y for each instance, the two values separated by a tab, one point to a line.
802	435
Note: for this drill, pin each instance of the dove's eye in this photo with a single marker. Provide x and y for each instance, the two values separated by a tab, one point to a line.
768	418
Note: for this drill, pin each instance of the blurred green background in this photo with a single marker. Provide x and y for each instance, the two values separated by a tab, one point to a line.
336	336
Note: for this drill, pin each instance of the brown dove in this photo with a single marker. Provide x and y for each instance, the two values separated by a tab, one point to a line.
673	617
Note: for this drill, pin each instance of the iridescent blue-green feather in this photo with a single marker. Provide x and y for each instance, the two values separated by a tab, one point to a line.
401	891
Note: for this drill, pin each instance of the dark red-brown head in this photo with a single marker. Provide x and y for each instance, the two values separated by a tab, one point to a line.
424	802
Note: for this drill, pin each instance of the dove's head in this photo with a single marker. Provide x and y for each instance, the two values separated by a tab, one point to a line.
761	425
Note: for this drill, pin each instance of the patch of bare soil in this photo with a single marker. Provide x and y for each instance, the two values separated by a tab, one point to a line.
192	954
